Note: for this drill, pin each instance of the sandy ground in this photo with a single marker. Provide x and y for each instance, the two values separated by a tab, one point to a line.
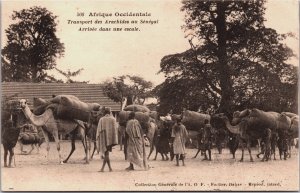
223	173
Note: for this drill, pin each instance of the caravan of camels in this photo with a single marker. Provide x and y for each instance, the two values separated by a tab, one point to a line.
67	115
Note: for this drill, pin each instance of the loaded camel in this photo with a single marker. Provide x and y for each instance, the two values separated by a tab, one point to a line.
293	131
279	124
148	125
245	135
232	139
255	125
54	126
161	138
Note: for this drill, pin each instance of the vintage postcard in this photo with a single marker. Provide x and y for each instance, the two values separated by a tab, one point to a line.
149	95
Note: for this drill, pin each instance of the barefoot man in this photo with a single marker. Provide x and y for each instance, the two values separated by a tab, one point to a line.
135	144
107	137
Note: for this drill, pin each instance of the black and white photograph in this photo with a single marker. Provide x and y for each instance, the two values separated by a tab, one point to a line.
149	95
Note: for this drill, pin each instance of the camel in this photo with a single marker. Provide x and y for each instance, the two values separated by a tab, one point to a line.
148	125
257	124
52	125
10	133
279	123
245	134
160	139
231	138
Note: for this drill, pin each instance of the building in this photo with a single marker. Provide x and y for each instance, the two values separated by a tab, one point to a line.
89	93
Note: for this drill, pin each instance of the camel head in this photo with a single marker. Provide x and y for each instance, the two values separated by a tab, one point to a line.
23	103
239	115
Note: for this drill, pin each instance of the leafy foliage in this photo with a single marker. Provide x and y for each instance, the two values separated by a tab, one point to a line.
234	62
68	74
32	46
134	88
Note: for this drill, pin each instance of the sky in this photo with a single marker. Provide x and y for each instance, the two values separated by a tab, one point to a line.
104	55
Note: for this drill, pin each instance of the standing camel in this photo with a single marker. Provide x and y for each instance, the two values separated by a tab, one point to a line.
161	137
278	124
245	134
257	124
10	130
52	125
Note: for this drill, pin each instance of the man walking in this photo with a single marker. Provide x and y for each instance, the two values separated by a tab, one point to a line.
135	150
107	137
179	137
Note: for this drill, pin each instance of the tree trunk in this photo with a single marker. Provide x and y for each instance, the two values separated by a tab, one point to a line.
129	100
223	68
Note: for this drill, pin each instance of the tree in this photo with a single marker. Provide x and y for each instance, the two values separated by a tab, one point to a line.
68	74
132	89
233	56
32	46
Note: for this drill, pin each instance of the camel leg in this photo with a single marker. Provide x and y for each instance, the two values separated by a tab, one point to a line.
249	150
89	146
290	150
85	144
72	148
121	142
155	155
11	155
5	156
167	157
209	154
56	139
162	156
47	142
197	153
95	147
259	144
151	150
242	158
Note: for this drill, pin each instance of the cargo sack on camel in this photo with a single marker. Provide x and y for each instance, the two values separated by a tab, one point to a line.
137	108
40	105
194	120
153	115
143	118
70	108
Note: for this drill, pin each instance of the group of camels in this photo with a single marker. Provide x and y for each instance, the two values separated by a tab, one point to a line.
268	127
247	125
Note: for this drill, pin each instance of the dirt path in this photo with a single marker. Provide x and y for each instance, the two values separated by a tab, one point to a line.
223	173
